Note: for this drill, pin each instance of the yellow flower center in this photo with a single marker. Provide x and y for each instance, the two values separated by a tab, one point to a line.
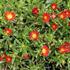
62	50
53	7
34	35
62	16
45	17
43	50
9	16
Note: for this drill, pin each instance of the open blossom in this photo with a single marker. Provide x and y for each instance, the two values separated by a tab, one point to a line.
7	31
46	17
64	48
54	6
45	50
35	11
34	35
9	15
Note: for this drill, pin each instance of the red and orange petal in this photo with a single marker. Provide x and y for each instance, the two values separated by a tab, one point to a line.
54	6
67	50
66	44
67	12
8	59
46	17
45	51
34	35
64	48
62	15
54	26
9	15
7	31
45	47
35	11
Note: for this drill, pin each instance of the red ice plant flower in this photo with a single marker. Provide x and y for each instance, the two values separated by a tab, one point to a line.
54	26
67	12
45	50
33	35
54	6
62	15
7	31
64	48
8	59
46	17
35	11
9	15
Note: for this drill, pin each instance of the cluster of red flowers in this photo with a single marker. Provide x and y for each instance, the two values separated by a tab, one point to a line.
34	35
46	16
64	14
10	16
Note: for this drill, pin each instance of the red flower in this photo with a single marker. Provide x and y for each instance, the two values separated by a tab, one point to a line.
54	6
7	31
67	12
61	50
45	50
64	48
53	15
26	56
35	11
62	15
54	26
34	35
46	17
8	59
10	15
